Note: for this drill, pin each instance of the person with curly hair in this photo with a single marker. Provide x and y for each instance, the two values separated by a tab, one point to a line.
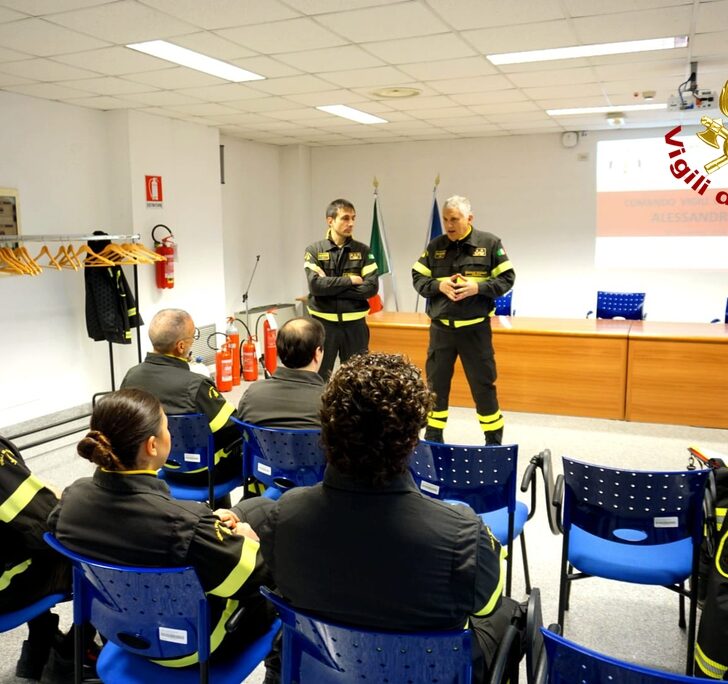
365	547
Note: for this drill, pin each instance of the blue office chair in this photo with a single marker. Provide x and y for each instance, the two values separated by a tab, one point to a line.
504	305
151	613
627	305
282	458
567	662
483	477
717	320
632	526
193	447
316	651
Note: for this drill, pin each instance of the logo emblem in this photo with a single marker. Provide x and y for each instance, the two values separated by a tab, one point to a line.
323	256
479	251
714	131
440	253
354	256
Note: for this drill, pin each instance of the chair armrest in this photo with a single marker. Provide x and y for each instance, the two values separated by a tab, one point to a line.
529	480
558	500
231	624
542	461
589	313
504	663
533	637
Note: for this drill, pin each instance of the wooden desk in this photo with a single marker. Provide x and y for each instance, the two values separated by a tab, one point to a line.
678	373
568	367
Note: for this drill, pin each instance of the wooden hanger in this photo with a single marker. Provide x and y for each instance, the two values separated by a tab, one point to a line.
66	258
11	263
51	260
92	259
122	256
143	252
22	255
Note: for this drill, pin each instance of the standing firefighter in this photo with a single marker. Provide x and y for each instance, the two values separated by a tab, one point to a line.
462	272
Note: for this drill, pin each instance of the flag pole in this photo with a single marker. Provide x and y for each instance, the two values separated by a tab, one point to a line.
429	228
385	245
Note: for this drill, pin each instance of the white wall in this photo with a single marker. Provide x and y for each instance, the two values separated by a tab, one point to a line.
535	194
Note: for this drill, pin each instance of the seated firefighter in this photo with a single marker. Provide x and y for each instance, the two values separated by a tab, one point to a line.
166	374
377	552
129	441
291	397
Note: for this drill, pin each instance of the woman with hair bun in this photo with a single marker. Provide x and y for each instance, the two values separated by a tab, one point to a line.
124	514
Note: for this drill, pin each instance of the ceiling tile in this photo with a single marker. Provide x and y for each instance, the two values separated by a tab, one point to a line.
451	68
114	61
422	49
8	80
465	14
411	104
705	44
504	96
103	102
291	35
264	104
38	37
40	7
394	20
108	85
176	77
575	101
227	92
49	91
327	97
564	91
488	84
549	34
123	22
265	66
242	118
11	55
345	57
497	107
9	15
712	16
655	23
204	109
212	14
162	98
212	45
553	77
292	84
362	78
441	113
45	70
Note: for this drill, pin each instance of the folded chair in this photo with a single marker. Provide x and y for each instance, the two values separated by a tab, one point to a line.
632	526
148	613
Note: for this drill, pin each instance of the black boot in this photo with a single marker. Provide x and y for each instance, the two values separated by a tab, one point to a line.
494	437
35	650
433	434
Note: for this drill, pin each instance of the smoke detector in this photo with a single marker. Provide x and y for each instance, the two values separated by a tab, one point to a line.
615	119
397	92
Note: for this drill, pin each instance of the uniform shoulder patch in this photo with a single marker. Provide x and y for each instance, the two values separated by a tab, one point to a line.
213	393
6	454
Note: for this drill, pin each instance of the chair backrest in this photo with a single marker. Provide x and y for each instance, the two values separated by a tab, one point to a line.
627	305
484	477
193	446
504	304
152	612
282	457
567	662
634	506
315	650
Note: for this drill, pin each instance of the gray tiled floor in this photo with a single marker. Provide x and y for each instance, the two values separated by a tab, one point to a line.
631	622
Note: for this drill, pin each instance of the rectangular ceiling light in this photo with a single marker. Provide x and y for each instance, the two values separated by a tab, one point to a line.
351	113
595	50
604	110
195	60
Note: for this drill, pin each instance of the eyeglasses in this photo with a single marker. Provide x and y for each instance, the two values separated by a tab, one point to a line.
194	336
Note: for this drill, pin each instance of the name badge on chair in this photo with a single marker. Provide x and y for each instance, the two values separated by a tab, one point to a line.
192	458
429	487
175	636
667	521
265	469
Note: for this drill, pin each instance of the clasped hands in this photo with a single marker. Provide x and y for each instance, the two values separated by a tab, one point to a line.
229	519
456	288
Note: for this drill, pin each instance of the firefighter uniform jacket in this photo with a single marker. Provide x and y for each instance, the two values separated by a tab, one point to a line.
179	390
157	530
29	569
385	557
111	311
479	257
332	296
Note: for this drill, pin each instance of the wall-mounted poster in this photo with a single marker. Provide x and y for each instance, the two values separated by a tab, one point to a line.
9	212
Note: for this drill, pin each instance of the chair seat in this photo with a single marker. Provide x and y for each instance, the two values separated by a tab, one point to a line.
661	564
19	617
117	666
498	521
187	492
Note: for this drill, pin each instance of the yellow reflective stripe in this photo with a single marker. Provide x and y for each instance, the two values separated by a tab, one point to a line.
489	607
336	318
492	425
216	637
501	268
20	498
240	573
720	516
8	575
439	414
719	555
421	268
222	417
490	418
313	267
370	268
713	669
433	422
132	311
461	324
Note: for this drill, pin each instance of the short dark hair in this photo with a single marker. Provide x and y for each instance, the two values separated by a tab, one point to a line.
120	423
298	340
372	411
333	209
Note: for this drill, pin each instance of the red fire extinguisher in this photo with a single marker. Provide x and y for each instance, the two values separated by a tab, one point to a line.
223	364
270	332
166	248
234	343
248	359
